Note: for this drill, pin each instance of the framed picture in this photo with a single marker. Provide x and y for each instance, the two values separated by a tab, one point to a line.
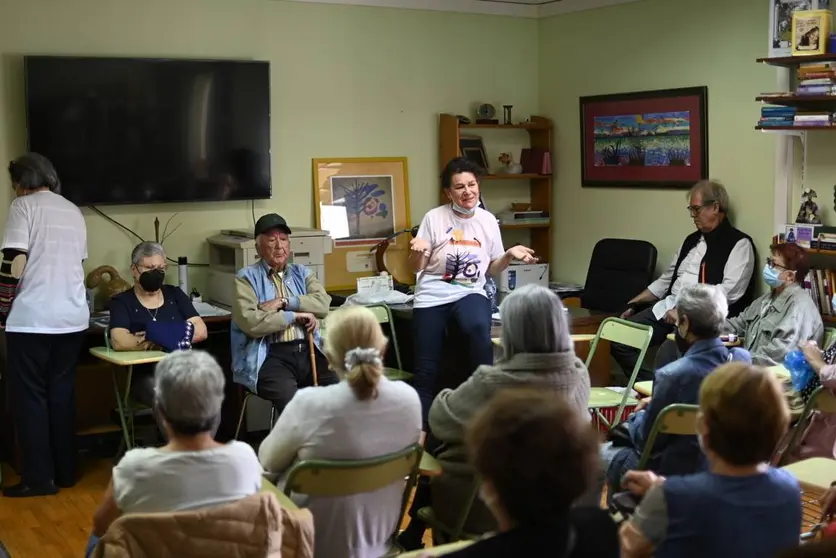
780	22
810	31
649	139
361	201
473	149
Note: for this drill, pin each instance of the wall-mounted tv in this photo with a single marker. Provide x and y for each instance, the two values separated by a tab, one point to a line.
130	131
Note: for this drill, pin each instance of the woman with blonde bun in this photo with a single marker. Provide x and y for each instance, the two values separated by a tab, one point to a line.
363	416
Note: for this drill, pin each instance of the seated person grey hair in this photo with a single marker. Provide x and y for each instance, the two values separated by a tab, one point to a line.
188	393
534	321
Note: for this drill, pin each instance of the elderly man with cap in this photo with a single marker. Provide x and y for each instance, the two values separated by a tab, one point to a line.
277	304
43	308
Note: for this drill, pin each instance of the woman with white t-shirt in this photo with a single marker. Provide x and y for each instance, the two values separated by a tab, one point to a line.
457	246
192	470
43	308
362	417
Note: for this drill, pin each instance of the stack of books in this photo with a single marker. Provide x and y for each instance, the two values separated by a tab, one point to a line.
813	118
777	116
817	78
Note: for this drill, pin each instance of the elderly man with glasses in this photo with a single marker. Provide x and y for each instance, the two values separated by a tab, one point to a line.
716	254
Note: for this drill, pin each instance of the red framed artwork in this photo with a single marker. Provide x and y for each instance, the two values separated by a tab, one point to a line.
648	139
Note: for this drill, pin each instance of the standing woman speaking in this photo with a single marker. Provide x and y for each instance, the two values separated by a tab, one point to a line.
457	245
43	307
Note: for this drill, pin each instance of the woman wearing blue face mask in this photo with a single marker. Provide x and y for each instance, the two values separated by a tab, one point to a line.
777	322
458	245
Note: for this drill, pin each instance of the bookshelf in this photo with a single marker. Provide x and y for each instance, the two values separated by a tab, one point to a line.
821	280
540	186
794	102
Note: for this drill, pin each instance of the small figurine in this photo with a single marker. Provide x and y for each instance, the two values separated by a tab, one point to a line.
808	213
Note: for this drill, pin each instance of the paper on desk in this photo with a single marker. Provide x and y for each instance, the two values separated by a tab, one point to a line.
207	310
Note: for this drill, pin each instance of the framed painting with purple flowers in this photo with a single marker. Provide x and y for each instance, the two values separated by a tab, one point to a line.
361	202
648	139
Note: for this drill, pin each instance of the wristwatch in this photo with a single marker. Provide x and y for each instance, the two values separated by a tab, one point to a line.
283	304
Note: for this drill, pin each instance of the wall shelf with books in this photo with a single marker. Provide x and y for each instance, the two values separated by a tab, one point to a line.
811	103
532	221
820	242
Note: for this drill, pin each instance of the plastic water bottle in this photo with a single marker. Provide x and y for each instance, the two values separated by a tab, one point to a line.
183	274
801	373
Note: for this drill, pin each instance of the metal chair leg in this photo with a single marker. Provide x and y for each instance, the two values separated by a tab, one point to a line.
243	413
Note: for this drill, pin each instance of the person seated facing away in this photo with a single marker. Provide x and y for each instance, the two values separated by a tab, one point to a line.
741	506
716	253
276	307
777	322
152	315
536	454
537	350
192	471
700	314
364	416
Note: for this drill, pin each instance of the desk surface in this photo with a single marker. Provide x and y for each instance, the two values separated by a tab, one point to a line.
814	474
126	358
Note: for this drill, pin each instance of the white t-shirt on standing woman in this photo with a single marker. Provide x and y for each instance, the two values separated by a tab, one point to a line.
461	251
50	296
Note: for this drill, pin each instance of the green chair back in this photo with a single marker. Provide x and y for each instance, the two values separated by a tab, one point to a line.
334	478
678	419
627	333
821	400
829	338
384	316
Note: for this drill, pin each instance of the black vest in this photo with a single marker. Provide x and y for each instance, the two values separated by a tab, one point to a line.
718	245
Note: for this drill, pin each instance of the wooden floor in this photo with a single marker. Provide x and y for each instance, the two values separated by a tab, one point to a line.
59	526
53	526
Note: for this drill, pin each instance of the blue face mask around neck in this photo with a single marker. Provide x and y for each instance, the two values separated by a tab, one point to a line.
770	277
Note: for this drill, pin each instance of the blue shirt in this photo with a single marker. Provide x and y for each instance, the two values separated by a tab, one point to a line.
718	516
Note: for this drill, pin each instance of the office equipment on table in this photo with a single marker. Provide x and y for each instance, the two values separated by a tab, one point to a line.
183	274
232	250
519	275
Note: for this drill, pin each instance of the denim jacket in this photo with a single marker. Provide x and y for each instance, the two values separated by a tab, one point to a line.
679	382
248	352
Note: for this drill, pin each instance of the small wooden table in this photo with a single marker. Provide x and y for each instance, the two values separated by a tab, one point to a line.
576	338
644	388
284	499
736	343
437	550
814	474
429	466
127	360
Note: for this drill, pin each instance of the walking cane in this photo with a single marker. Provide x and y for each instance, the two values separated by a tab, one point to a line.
311	352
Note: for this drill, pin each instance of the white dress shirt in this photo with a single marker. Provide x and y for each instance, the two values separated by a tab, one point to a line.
736	275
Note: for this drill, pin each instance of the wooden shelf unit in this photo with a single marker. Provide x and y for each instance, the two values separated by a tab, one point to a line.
808	102
822	128
540	186
796	100
828	319
789	61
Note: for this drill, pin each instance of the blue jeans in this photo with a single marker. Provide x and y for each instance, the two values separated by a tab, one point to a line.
472	314
91	545
617	461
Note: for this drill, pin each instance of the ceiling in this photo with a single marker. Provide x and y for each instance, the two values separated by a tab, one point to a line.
526	2
514	8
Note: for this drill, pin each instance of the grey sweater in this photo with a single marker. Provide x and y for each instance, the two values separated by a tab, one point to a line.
452	410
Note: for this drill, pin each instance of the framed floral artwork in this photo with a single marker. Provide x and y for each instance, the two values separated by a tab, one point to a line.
361	202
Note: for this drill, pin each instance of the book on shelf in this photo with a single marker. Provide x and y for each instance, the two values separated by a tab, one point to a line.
820	284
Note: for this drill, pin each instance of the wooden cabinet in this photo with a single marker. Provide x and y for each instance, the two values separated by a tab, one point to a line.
540	186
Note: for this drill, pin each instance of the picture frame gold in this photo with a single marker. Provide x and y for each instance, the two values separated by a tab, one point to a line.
362	201
810	32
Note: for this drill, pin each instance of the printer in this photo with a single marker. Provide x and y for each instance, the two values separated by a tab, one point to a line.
232	250
519	275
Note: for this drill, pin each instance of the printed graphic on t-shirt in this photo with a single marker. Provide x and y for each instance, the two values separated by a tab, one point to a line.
462	259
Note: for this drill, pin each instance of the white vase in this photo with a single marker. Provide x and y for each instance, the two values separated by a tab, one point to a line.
513	168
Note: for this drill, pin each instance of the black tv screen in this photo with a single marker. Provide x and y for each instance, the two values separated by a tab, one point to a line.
130	131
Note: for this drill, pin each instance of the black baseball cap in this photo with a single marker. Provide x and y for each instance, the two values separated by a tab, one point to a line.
269	222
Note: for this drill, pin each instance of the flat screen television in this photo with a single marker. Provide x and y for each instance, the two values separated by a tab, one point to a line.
132	131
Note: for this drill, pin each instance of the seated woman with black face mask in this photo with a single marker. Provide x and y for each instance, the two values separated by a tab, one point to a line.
152	316
700	314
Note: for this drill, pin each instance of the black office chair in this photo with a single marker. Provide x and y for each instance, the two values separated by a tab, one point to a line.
619	269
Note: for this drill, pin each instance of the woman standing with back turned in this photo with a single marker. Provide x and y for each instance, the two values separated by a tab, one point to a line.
43	307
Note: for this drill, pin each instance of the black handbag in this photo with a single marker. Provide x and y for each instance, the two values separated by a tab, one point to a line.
619	435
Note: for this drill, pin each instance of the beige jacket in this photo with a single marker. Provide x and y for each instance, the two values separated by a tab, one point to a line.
256	526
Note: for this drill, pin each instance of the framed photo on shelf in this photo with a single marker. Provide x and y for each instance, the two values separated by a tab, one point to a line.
780	23
473	149
647	139
361	201
810	32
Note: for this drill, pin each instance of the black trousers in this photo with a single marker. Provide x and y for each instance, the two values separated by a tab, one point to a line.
41	382
288	368
626	357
